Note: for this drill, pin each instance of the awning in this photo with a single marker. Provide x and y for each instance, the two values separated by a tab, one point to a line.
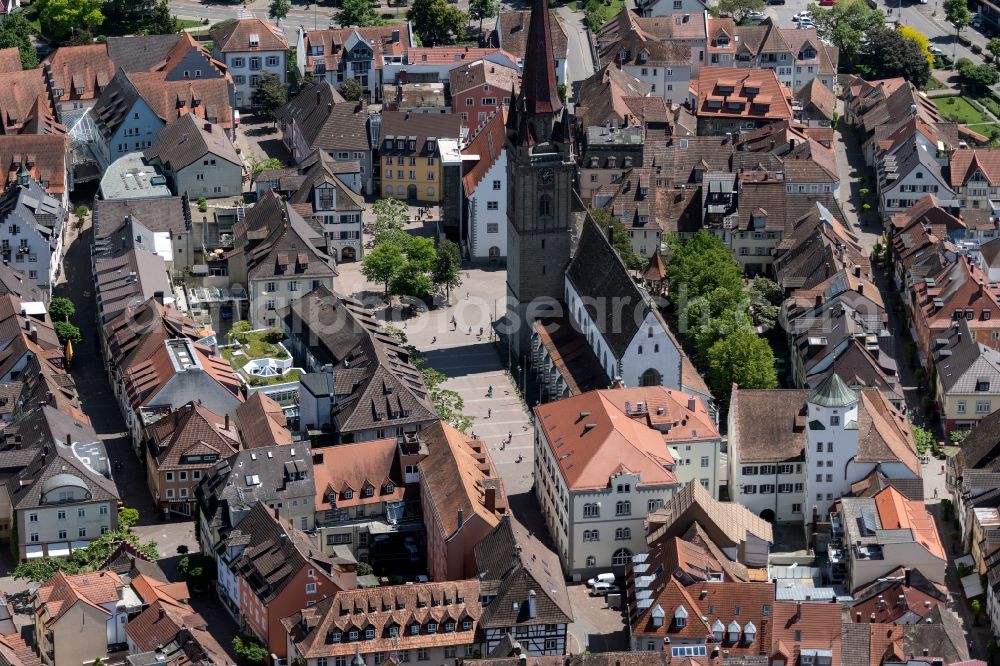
972	585
59	549
34	552
77	545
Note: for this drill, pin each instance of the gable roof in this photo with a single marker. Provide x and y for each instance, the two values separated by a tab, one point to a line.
511	33
19	92
262	422
457	477
235	37
488	146
170	100
512	565
326	120
964	162
344	476
603	97
769	425
48	154
140	53
81	72
61	592
187	140
191	429
10	59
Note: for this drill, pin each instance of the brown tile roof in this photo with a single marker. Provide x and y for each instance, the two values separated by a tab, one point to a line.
512	33
602	97
456	477
159	624
512	563
142	329
345	472
884	434
326	120
380	608
61	592
607	432
423	126
967	161
488	145
797	626
187	140
206	98
235	37
441	55
10	59
958	288
768	426
143	379
151	589
48	154
727	524
19	91
191	430
818	96
709	606
333	41
14	651
262	422
483	72
72	68
769	102
888	600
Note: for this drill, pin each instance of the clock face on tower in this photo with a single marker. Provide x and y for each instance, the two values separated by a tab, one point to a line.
545	176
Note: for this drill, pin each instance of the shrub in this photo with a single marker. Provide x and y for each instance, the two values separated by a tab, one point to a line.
976	48
273	336
202	205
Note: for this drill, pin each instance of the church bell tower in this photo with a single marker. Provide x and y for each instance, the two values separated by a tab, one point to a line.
540	173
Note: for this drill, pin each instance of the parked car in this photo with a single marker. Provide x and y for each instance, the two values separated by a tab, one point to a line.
607	578
775	2
807	15
756	16
601	589
936	50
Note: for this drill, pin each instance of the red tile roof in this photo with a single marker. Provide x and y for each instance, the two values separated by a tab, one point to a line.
488	145
61	592
87	69
805	625
235	37
19	91
757	92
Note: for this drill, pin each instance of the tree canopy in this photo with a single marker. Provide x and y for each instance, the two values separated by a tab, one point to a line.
845	24
351	90
957	13
744	358
357	13
890	54
447	271
483	9
269	96
739	9
59	18
16	31
61	308
278	9
922	41
437	22
978	78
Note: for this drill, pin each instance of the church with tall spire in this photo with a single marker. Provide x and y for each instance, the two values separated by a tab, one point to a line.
540	175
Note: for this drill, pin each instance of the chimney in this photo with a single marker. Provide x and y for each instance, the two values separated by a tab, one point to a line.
319	99
276	516
33	334
982	288
692	403
611	234
227	422
857	271
861	287
208	127
532	605
329	107
158	297
906	579
819	300
926	652
490	499
163	613
69	439
858	617
460	519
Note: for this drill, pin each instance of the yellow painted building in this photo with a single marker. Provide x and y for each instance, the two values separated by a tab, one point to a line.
410	154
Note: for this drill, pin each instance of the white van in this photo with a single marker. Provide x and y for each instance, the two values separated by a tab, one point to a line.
607	578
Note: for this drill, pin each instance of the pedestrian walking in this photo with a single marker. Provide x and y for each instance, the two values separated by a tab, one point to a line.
489	413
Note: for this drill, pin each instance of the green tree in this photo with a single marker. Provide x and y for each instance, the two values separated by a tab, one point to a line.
127	518
739	9
238	331
41	569
447	271
437	22
923	437
958	436
268	97
67	332
278	9
383	263
249	650
420	252
258	165
993	46
351	90
62	308
977	609
60	18
741	358
357	13
978	78
483	9
16	31
957	13
701	265
447	403
391	216
765	297
889	54
364	569
845	24
160	21
411	281
620	238
922	41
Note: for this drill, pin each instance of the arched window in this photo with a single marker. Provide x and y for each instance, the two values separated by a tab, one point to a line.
623	534
621	557
545	205
649	333
591	510
591	561
623	508
494	251
651	378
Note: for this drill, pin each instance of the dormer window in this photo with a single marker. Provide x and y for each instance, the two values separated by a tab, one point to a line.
680	617
348	494
749	633
389	487
369	634
657	615
368	491
982	385
734	631
643	55
393	631
725	88
335	636
808	54
414	629
254	40
718	630
722	41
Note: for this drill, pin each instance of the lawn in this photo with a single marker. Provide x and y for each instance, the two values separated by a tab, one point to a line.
960	110
184	24
600	12
290	376
254	347
991	103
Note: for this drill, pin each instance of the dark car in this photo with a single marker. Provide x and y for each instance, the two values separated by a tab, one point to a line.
775	2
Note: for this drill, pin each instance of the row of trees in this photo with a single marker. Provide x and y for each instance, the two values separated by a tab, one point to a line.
717	319
434	21
74	21
404	264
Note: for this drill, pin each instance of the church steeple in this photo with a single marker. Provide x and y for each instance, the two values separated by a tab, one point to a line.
539	94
